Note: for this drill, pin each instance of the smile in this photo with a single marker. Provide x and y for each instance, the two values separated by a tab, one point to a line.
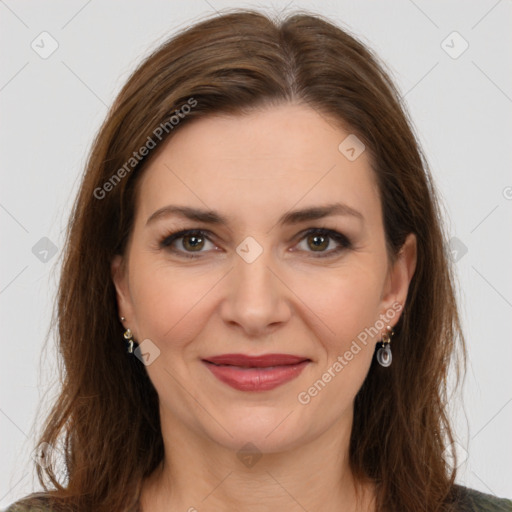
256	373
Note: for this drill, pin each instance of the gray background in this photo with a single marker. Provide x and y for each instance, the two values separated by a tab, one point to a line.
51	108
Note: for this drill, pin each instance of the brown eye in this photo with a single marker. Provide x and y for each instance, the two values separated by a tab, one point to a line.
318	242
324	242
193	242
187	242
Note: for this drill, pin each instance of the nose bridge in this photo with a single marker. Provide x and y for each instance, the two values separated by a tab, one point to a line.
252	270
256	296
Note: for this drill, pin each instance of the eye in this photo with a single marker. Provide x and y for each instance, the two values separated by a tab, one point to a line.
192	240
317	240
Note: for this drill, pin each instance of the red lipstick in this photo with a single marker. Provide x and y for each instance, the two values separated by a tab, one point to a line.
256	373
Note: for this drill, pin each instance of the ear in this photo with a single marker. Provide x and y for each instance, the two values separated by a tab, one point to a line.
399	276
119	274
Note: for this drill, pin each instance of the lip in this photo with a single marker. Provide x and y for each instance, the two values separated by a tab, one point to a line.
261	361
256	373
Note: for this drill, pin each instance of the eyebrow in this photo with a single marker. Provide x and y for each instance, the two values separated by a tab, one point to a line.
292	217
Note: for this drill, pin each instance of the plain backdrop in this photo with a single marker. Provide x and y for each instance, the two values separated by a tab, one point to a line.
452	62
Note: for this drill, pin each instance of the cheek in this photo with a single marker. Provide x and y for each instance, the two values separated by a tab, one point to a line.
349	310
169	303
346	301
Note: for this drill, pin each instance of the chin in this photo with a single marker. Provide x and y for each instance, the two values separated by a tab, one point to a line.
270	430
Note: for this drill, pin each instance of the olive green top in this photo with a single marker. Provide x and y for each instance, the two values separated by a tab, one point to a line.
469	500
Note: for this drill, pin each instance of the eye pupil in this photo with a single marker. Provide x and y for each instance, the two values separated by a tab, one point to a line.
319	241
194	243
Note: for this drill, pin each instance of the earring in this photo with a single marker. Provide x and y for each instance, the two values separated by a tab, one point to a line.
129	343
384	356
128	336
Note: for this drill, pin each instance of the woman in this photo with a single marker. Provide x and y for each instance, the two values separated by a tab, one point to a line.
256	308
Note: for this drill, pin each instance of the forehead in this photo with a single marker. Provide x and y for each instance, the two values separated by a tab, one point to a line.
259	165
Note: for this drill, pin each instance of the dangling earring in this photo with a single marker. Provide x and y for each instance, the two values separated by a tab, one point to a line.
384	356
128	337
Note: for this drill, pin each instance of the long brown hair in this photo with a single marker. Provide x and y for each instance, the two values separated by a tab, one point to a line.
106	419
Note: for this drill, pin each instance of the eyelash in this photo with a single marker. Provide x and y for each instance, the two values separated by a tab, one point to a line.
166	241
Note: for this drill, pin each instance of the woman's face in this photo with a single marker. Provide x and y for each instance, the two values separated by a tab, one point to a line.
253	282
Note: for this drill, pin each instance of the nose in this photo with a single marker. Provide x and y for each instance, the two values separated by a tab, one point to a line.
257	299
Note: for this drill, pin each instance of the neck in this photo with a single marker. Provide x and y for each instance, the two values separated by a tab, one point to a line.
199	474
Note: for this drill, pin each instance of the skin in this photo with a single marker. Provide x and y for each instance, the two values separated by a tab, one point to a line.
253	169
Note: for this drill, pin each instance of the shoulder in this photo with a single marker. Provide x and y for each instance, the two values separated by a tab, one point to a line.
466	499
35	502
471	500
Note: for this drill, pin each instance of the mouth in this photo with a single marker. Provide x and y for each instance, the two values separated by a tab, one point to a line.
256	373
